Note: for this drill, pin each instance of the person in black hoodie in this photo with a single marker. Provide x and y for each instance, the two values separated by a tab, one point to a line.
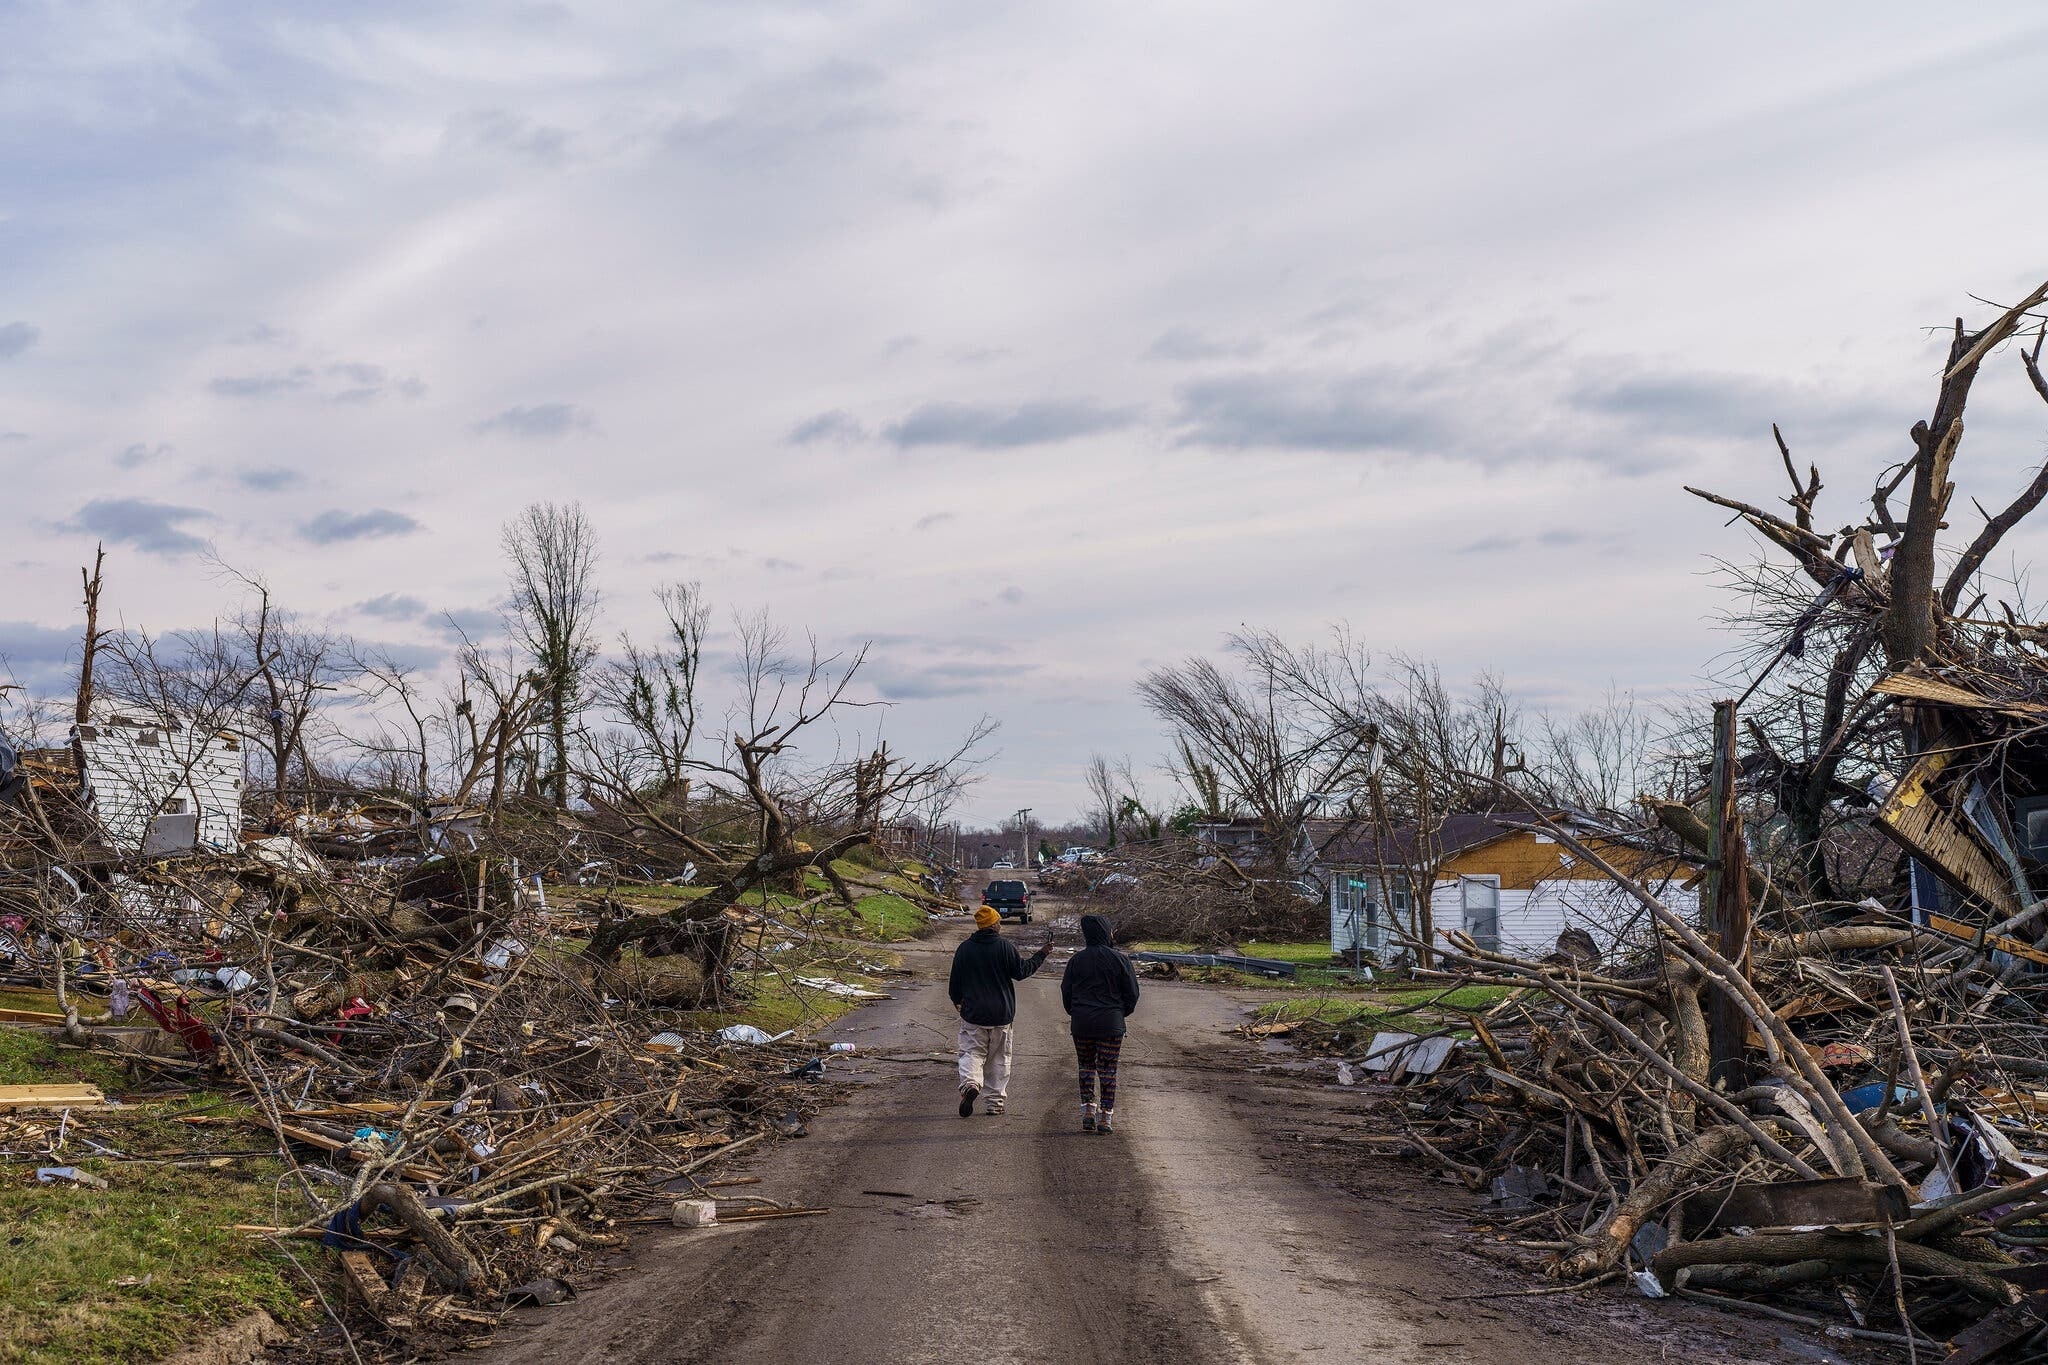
1100	989
986	968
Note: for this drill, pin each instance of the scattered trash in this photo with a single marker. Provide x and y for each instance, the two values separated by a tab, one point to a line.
542	1293
49	1175
841	988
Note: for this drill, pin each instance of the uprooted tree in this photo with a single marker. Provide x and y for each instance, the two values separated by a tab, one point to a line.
1872	596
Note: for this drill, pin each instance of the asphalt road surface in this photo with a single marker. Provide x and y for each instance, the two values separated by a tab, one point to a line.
1019	1238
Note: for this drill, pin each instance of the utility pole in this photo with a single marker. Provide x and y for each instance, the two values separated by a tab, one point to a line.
1024	838
1727	1027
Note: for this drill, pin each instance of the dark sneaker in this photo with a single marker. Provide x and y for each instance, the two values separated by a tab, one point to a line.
1087	1118
968	1095
1107	1123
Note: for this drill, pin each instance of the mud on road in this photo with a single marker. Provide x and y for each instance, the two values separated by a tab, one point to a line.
1211	1227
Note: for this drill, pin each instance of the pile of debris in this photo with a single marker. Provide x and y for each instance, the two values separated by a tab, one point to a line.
1846	1108
468	1101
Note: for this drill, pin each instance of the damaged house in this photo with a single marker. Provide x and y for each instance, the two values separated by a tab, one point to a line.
1511	888
157	785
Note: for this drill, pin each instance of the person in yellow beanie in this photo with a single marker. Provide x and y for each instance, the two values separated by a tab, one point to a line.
986	968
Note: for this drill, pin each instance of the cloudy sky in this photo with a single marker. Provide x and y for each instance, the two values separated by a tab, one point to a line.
1038	343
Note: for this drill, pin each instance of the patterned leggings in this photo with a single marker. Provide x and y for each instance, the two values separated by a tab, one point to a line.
1098	1061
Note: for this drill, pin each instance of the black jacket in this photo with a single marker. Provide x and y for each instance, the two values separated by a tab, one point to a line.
984	966
1100	986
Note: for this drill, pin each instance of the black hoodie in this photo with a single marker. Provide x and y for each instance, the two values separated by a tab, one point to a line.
1100	986
986	967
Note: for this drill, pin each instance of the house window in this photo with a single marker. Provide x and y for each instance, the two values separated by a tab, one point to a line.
173	805
1480	899
146	737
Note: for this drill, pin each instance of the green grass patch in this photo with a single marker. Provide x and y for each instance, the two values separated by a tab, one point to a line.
136	1270
776	1002
28	1057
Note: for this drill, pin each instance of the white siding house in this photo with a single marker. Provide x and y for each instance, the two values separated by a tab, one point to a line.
163	786
1510	888
1527	921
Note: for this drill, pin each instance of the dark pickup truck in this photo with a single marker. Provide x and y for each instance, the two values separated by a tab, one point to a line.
1010	899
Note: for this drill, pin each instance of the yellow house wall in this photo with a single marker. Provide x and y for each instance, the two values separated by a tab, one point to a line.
1522	863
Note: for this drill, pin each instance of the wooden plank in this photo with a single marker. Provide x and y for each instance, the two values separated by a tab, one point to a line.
1919	687
48	1096
1956	928
1914	820
8	1016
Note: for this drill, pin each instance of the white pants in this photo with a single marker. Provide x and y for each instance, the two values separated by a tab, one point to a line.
985	1049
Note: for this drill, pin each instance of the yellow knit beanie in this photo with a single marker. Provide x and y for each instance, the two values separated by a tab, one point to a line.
986	917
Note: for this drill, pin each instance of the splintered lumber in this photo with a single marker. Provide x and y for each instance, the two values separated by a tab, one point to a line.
41	1017
48	1096
1917	822
1920	687
2003	943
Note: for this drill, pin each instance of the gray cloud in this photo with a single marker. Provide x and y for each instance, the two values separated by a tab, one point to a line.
907	682
155	527
16	337
474	622
364	383
36	657
1011	596
827	426
932	519
13	436
1559	538
333	527
344	381
540	420
294	380
269	478
1371	409
1187	343
497	130
988	427
422	657
139	454
263	334
1711	405
392	606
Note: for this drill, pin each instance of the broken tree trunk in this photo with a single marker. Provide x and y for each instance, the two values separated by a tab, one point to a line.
1670	1180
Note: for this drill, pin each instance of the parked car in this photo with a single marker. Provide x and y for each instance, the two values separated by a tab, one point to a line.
1002	864
1010	899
